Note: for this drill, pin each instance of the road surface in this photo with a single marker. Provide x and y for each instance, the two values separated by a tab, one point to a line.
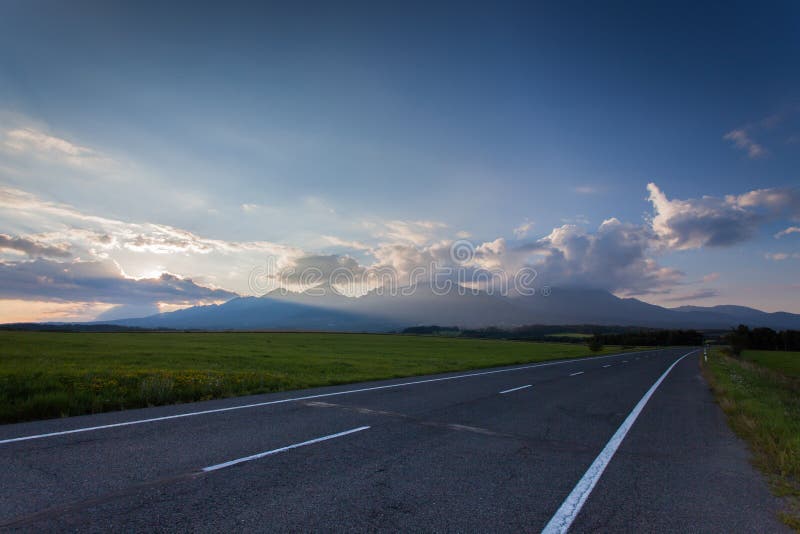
623	443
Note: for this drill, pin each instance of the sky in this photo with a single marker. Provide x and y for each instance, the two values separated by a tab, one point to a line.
159	155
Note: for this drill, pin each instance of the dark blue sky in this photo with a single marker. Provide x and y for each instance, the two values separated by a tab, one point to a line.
480	117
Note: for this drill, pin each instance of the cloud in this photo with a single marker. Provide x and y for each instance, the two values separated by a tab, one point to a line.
351	244
120	263
695	223
414	232
781	256
615	258
92	234
33	248
39	144
780	127
710	277
742	140
777	201
93	281
696	295
585	189
523	229
788	231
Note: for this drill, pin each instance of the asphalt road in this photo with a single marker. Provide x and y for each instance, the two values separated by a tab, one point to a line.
491	450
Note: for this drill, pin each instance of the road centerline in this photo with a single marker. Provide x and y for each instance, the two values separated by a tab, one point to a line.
230	463
576	374
515	389
569	509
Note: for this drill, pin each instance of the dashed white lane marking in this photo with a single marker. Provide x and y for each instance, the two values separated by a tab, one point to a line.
515	389
624	361
296	399
576	374
282	449
606	366
572	505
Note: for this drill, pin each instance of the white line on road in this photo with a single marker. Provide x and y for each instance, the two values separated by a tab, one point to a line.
607	365
282	449
576	374
296	399
572	505
515	389
624	361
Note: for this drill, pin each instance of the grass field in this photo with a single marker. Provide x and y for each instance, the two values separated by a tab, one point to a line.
570	334
760	394
47	374
786	363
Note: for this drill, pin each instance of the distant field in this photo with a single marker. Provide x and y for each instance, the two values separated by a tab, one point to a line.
570	334
786	363
760	393
47	374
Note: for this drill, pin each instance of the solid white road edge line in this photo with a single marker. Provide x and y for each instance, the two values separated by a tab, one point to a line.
307	397
515	389
576	374
572	505
282	449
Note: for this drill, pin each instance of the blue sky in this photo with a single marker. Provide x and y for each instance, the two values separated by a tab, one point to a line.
288	125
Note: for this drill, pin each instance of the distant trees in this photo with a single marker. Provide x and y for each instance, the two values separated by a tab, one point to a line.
651	337
743	337
431	330
595	343
605	335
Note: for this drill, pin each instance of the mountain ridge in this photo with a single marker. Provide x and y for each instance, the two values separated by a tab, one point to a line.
463	307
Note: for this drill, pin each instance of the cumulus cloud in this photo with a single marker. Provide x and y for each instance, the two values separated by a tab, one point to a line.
695	223
713	221
742	140
94	281
615	257
777	201
32	247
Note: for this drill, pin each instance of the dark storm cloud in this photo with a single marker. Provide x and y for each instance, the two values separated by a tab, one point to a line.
96	282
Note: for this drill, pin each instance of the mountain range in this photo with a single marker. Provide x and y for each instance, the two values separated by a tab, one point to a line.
324	308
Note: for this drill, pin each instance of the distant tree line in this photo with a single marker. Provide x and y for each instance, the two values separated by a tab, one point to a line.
597	336
653	338
431	330
743	337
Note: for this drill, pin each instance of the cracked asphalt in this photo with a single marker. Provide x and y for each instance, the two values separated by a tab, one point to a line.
446	454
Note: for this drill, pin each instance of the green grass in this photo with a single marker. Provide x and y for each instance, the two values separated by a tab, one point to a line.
760	394
47	374
786	363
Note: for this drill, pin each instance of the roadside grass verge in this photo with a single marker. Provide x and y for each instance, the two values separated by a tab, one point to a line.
762	403
54	374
